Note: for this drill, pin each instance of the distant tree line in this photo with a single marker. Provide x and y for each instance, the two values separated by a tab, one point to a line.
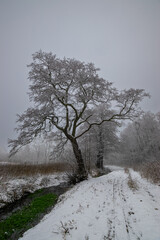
140	140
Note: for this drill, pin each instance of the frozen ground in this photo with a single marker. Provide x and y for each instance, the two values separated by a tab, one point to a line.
104	208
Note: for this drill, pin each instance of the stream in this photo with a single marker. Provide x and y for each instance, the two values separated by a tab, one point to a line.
10	208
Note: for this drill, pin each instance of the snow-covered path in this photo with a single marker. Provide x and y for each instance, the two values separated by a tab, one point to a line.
104	208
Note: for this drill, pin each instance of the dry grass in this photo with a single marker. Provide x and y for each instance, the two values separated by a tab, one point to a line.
19	170
126	170
151	171
132	184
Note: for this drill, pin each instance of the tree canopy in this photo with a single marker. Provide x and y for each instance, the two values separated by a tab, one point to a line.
66	93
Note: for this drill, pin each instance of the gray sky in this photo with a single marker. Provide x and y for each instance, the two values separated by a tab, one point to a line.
122	38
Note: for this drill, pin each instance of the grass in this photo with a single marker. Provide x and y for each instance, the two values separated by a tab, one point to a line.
23	219
132	184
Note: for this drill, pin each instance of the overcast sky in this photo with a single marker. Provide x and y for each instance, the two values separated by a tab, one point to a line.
122	38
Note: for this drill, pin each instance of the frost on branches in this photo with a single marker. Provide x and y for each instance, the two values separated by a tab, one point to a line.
66	94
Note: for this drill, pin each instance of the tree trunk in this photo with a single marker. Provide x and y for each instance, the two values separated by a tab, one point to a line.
100	154
99	162
81	171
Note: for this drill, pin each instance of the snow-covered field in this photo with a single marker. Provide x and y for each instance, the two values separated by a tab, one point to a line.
104	208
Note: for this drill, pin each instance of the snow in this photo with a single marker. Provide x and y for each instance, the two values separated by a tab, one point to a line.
113	167
13	189
8	163
103	208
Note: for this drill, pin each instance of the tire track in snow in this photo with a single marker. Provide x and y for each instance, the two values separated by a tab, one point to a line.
128	213
111	220
119	200
111	214
117	216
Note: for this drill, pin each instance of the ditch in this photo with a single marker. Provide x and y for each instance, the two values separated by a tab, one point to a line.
19	216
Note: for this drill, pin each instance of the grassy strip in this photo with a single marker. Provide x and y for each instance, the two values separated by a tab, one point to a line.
21	220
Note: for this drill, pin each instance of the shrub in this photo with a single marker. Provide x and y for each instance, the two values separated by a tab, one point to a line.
151	171
132	183
126	170
74	177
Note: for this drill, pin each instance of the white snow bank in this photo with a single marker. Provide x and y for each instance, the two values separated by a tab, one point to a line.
13	189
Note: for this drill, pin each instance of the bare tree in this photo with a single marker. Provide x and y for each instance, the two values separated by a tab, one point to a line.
65	92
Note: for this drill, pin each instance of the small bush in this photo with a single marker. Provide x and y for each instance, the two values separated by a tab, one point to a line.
132	184
126	170
74	178
96	172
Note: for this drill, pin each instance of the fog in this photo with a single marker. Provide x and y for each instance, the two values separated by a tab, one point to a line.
121	37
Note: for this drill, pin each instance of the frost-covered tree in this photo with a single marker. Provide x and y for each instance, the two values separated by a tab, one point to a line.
65	92
140	141
100	139
105	135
